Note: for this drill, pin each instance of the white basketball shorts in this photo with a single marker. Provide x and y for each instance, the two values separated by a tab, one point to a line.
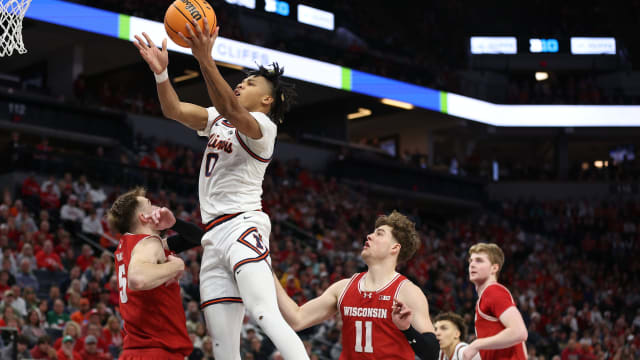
230	242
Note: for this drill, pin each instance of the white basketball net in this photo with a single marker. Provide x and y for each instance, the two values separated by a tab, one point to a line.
11	15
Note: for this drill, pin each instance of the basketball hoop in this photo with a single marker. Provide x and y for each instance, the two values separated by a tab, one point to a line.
11	15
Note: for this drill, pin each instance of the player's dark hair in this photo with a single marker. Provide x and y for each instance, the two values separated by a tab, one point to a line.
403	231
122	214
283	92
456	319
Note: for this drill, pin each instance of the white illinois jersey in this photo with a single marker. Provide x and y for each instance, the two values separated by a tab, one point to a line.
233	166
458	353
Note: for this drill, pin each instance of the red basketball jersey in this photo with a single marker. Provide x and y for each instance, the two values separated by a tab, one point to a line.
152	318
367	329
494	300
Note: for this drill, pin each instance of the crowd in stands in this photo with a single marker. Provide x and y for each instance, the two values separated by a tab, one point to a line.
570	264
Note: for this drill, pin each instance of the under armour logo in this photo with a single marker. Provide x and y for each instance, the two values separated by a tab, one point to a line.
367	295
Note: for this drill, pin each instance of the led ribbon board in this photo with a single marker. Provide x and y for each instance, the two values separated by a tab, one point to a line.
318	72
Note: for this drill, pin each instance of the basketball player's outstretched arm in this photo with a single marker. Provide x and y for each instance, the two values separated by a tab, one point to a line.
514	333
411	316
145	268
190	115
312	312
220	93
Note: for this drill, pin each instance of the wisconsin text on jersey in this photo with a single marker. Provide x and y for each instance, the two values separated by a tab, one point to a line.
364	312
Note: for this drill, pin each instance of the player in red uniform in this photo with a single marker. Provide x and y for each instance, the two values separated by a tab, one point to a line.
371	323
500	330
150	300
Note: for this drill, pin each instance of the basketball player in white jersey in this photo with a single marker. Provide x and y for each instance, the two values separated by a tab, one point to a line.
241	128
450	331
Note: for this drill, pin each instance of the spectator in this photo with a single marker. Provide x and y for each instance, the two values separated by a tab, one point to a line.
33	328
91	351
82	315
58	317
86	258
67	351
19	304
81	187
97	195
91	225
72	329
51	185
112	334
71	214
20	352
49	198
5	283
11	300
32	301
93	318
24	277
44	350
47	259
27	254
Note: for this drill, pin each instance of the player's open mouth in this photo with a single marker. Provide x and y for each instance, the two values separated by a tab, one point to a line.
366	245
236	92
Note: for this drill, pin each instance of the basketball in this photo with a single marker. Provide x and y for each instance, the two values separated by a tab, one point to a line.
181	12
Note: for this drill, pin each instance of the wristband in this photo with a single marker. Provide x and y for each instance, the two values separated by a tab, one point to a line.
162	77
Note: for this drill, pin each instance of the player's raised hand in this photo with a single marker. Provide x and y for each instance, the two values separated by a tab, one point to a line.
161	218
401	315
200	42
158	59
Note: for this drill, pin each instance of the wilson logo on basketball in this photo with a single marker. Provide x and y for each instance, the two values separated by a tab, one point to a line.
188	5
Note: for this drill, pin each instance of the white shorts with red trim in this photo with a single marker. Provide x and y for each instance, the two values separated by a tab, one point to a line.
234	241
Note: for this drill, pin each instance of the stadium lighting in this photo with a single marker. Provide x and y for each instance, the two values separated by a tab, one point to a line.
362	112
600	164
396	103
542	76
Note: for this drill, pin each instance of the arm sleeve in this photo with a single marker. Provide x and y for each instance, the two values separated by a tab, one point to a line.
189	236
263	146
425	345
499	300
213	114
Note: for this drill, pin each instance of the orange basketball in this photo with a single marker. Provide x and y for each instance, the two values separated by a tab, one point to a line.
181	12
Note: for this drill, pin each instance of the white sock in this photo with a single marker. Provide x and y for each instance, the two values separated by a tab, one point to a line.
258	292
224	322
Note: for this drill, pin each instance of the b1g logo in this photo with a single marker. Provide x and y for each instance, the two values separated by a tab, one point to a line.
276	6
